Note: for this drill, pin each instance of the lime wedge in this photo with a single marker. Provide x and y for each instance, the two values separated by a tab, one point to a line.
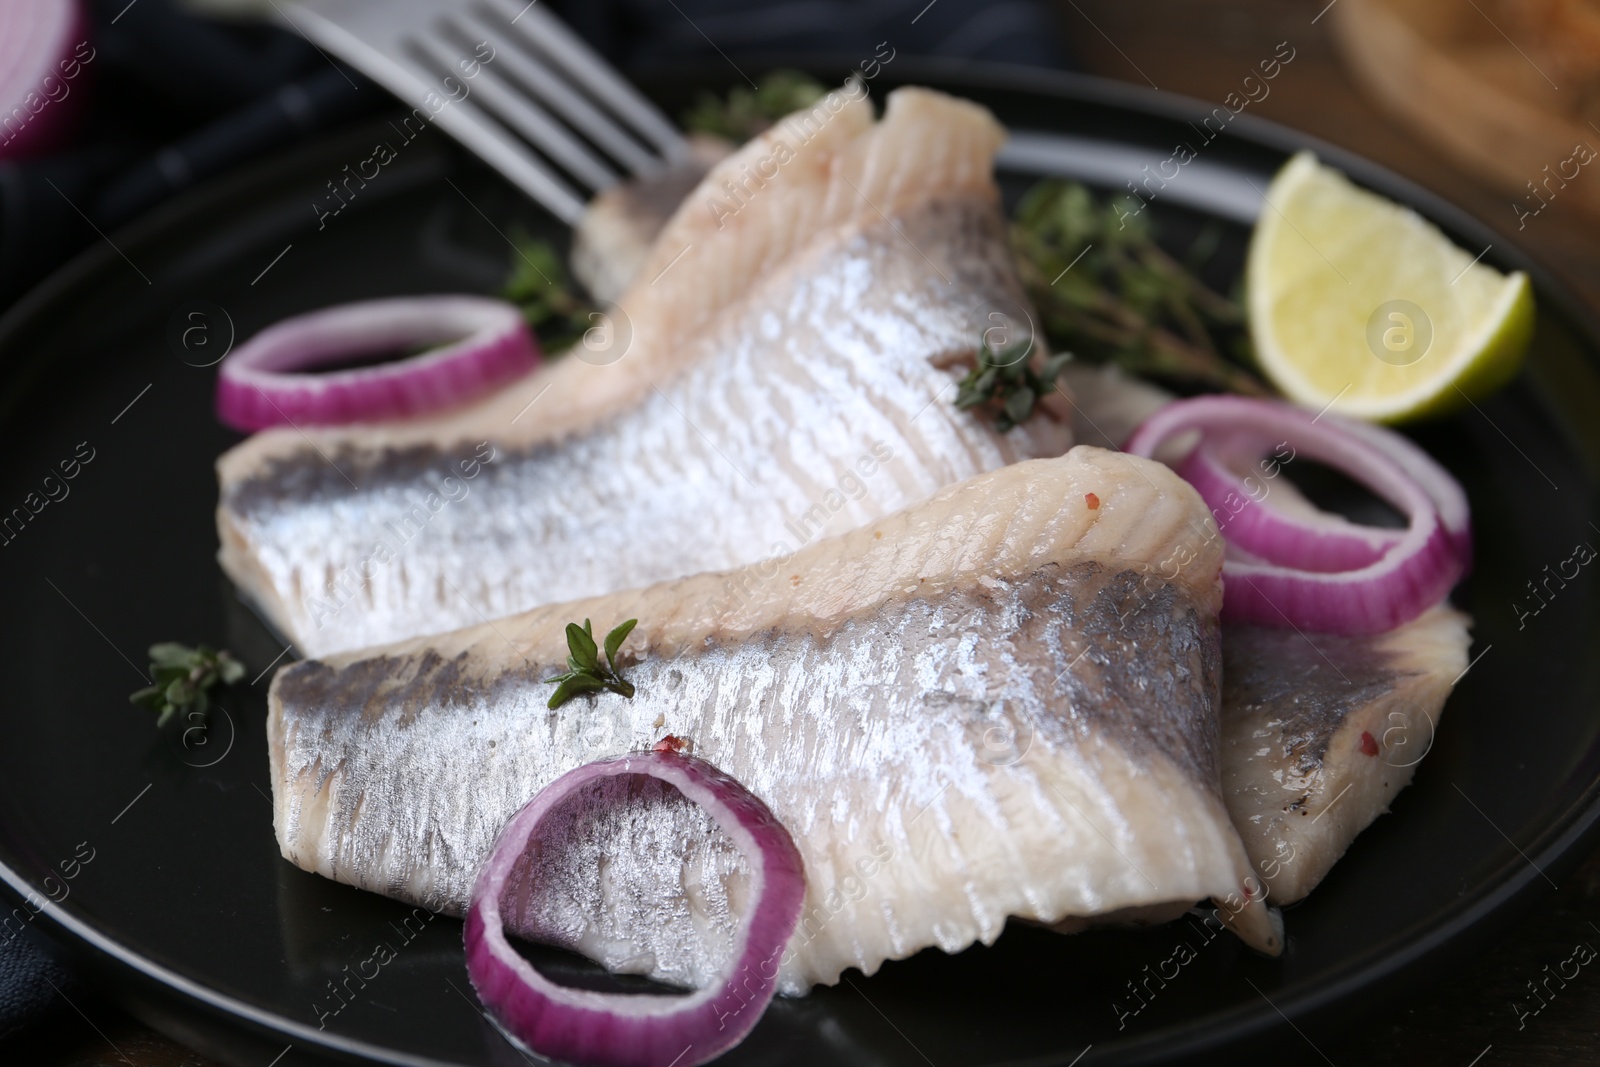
1360	305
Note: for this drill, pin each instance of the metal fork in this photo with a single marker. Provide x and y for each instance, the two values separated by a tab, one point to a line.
543	109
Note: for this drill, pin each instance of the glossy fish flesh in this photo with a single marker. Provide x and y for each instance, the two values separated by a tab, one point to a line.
1321	732
795	339
1000	702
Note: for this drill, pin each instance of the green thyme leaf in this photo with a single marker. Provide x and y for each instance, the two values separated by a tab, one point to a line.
584	653
1008	382
229	669
615	638
1020	405
585	673
172	654
745	112
571	687
183	678
540	285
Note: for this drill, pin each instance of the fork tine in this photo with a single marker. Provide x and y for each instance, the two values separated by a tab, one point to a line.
547	75
527	118
559	97
497	147
567	51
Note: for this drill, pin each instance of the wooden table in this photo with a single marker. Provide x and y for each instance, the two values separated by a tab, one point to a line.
1203	48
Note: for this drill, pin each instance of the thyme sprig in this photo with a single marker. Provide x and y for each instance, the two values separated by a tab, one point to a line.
743	113
585	673
539	284
183	676
1106	291
1007	381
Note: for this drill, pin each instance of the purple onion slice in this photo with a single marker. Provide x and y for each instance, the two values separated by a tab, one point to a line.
45	56
1319	573
639	1030
473	344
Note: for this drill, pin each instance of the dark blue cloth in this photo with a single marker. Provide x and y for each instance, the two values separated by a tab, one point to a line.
177	99
30	975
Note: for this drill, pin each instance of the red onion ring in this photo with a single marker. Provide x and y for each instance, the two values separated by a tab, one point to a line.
642	1030
1331	575
1328	544
1445	491
39	68
1319	542
483	343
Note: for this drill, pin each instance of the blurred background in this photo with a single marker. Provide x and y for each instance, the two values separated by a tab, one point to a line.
1490	103
1473	99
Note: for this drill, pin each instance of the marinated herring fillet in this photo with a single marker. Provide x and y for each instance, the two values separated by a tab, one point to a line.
1321	732
780	346
1000	702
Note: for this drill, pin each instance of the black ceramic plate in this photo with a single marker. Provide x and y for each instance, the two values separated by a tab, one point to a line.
159	847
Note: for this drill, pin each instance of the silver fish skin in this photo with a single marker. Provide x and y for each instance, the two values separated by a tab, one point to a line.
790	378
1000	702
1320	733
